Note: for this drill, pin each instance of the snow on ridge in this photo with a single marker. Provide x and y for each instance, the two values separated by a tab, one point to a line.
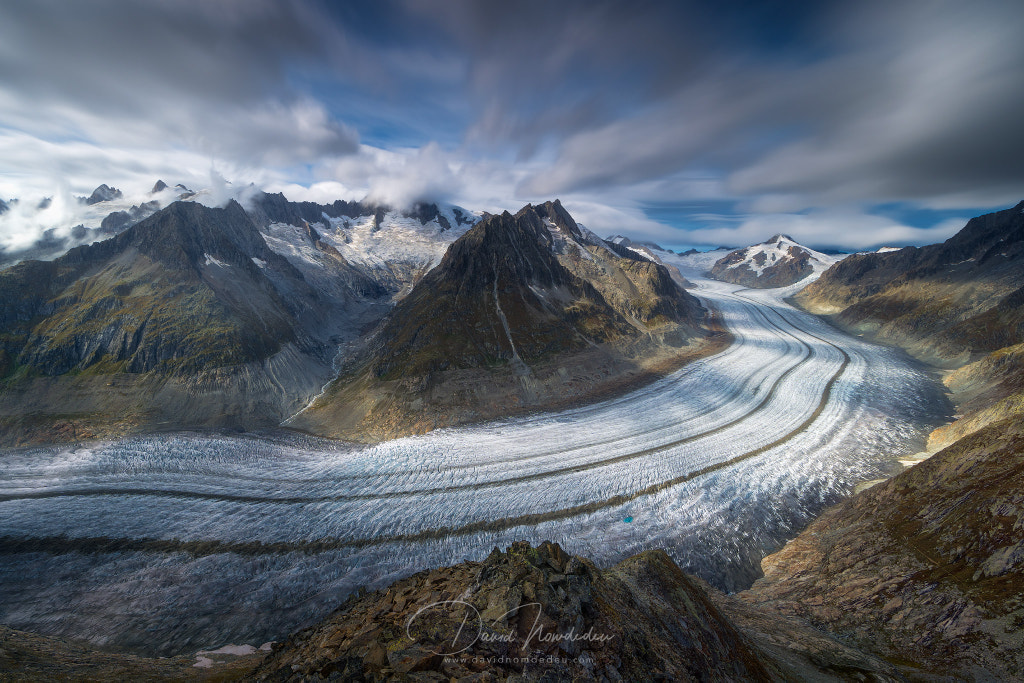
397	239
776	250
210	260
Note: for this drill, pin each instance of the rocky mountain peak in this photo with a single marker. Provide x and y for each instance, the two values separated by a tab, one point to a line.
159	186
103	193
507	248
555	213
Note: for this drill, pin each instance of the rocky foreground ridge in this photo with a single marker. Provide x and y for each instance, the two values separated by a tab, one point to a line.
926	568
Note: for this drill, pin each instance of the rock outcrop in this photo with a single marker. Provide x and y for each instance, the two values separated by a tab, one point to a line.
103	193
542	614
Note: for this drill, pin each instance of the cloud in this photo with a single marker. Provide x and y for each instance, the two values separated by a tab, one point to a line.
165	78
842	228
783	109
919	102
937	112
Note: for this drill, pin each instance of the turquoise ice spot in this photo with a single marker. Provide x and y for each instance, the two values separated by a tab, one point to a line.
627	520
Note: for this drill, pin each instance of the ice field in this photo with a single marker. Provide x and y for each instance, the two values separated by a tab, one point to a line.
173	543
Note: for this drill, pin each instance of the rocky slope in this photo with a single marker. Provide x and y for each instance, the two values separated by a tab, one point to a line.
777	262
187	318
32	657
958	305
525	614
523	312
948	303
927	567
541	614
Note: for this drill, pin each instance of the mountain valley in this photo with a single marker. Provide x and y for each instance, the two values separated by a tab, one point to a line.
517	377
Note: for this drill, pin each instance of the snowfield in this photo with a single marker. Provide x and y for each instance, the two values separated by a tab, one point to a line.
174	543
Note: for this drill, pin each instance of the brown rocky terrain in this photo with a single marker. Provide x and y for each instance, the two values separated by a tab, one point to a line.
524	312
525	614
531	614
927	567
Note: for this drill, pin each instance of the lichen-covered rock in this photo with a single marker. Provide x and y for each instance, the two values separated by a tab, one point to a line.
536	613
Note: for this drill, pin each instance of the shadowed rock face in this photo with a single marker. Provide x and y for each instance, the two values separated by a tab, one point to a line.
541	614
946	302
927	567
103	193
520	310
160	295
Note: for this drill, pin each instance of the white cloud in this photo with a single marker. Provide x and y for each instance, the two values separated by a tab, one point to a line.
848	229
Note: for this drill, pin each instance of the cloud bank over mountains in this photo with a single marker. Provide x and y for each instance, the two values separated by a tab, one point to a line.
847	124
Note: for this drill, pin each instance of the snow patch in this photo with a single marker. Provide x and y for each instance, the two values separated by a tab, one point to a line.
211	261
259	262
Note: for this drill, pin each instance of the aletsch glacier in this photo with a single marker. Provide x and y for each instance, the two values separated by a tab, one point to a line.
167	544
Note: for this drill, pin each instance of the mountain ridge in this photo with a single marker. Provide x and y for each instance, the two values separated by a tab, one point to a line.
186	310
522	311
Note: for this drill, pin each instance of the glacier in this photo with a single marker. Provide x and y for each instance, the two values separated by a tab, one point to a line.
172	543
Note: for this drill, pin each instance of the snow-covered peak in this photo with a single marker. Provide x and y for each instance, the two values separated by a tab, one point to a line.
775	251
777	262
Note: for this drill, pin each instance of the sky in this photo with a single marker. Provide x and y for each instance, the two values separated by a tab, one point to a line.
844	124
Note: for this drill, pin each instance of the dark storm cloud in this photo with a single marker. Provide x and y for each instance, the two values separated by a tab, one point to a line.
773	108
211	75
819	103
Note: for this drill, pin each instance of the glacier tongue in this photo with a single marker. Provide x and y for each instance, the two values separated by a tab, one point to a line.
719	463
